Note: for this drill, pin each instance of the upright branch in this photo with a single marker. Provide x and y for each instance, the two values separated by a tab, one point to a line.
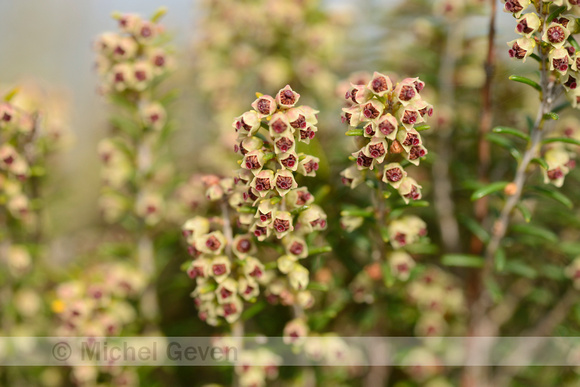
132	64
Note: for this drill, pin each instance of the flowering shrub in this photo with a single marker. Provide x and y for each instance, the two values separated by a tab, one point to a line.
466	229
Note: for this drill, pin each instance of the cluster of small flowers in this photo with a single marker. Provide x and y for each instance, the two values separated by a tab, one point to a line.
299	36
560	156
268	202
131	60
27	135
97	305
130	63
439	297
563	58
388	114
254	367
266	184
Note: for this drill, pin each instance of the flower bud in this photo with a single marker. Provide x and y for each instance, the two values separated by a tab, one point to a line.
305	299
212	243
409	116
406	93
401	264
308	166
264	105
559	60
253	161
249	144
153	115
556	35
372	110
253	268
352	116
351	223
284	181
279	126
295	332
312	219
142	75
220	268
516	6
364	160
242	246
387	126
282	223
409	189
394	174
231	311
286	263
299	197
260	232
380	84
199	269
287	98
295	246
284	144
528	24
358	94
226	291
352	177
265	213
248	288
289	160
521	48
247	124
263	182
195	227
298	277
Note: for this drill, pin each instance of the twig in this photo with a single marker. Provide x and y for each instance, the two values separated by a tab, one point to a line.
443	188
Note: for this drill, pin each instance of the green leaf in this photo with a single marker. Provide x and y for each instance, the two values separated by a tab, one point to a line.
551	115
567	140
562	106
420	128
354	132
493	288
388	277
553	272
520	268
246	210
541	162
553	193
365	213
505	143
253	310
573	42
489	189
536	57
11	94
126	125
555	13
527	81
462	260
422	248
475	228
536	231
319	250
525	212
384	234
158	14
512	131
500	259
317	286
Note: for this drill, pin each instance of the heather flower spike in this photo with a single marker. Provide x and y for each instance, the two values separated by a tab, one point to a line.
269	205
387	138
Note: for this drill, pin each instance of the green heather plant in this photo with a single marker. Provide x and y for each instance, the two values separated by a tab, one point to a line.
447	210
